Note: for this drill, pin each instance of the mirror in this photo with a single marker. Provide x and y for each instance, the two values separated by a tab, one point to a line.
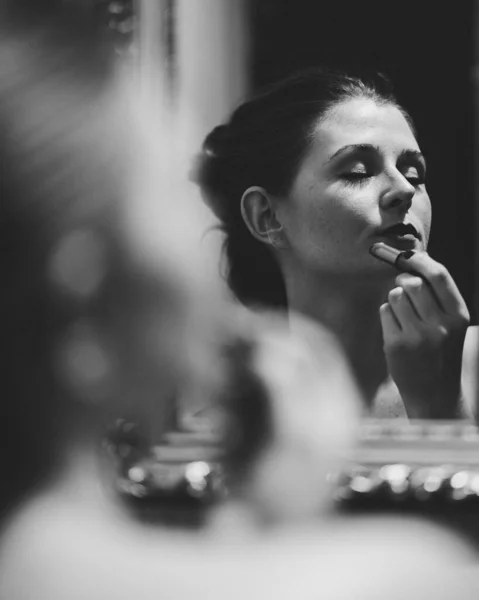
203	78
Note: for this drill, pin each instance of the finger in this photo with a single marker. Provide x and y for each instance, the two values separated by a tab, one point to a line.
390	325
438	277
403	310
421	297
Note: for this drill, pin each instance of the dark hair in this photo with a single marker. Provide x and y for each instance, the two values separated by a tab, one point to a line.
263	144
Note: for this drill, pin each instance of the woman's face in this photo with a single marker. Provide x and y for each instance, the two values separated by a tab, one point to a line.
362	181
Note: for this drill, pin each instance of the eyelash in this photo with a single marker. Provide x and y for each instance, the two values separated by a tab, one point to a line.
416	181
355	178
361	179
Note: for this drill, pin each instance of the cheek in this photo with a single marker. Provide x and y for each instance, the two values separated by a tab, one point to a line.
326	221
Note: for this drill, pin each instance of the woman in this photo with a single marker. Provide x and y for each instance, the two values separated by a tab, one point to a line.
304	179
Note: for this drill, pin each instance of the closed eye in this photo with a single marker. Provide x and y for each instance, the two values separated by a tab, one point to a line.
412	165
356	177
415	176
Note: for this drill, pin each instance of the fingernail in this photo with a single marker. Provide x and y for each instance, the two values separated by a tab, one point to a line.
396	293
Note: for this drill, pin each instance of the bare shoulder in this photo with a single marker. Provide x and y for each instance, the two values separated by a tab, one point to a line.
470	367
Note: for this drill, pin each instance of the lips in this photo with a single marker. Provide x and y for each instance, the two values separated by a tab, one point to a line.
400	230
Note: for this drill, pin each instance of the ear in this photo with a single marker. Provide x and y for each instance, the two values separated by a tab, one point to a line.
259	215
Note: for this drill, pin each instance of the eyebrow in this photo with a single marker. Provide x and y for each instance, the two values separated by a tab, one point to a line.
370	148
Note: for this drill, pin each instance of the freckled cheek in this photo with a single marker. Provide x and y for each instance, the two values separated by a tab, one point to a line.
326	222
343	214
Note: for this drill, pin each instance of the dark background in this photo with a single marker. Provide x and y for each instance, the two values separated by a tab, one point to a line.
426	48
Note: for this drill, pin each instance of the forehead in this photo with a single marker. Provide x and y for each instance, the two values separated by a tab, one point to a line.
364	121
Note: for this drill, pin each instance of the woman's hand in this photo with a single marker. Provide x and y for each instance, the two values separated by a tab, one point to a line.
424	324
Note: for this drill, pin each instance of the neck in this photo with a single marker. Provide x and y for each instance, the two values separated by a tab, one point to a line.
349	307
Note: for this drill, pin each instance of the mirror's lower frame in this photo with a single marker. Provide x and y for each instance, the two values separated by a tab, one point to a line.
428	468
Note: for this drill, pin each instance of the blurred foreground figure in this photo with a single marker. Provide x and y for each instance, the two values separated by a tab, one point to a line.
103	314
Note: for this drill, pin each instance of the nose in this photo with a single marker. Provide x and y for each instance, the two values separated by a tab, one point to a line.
398	194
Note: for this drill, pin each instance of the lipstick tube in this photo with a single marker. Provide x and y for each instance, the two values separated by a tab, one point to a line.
389	255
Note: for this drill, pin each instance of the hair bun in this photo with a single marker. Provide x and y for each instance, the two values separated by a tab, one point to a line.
203	162
215	141
204	172
210	171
